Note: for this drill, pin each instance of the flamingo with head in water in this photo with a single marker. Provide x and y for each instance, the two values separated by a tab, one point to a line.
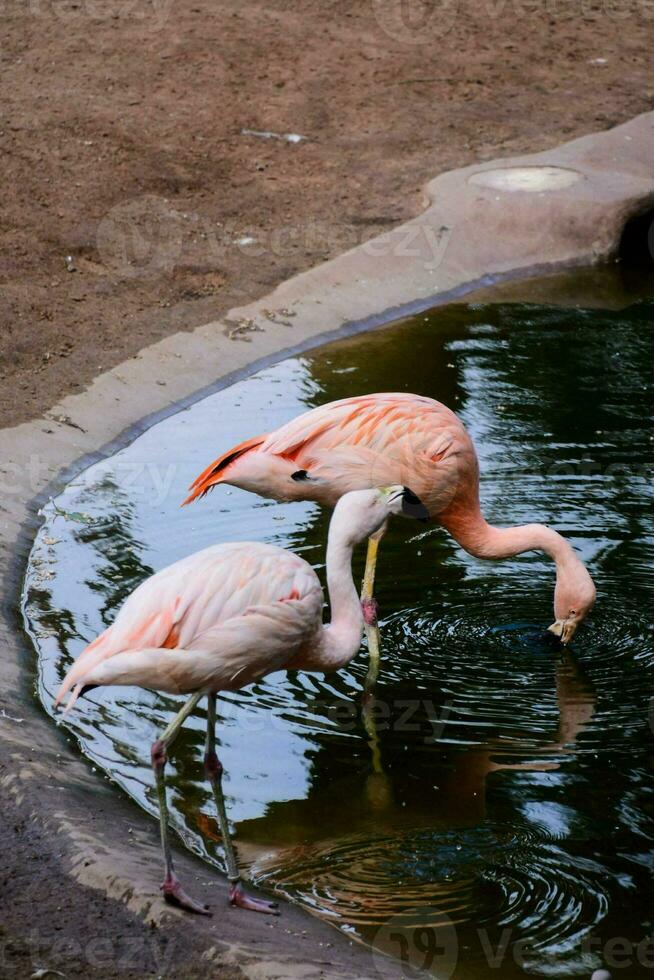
224	618
379	439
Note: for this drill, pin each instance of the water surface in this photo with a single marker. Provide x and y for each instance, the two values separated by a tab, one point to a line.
502	823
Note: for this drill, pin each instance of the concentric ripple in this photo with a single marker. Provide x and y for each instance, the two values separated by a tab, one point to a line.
349	877
477	883
519	684
491	811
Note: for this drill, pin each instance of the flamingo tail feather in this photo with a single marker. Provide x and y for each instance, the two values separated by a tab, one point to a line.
215	472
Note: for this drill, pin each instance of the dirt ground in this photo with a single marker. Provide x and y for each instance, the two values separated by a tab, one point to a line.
77	931
132	195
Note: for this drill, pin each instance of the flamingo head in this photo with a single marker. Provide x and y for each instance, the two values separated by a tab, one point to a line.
366	511
574	597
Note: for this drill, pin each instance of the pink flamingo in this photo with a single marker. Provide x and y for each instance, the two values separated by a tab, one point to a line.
223	618
379	439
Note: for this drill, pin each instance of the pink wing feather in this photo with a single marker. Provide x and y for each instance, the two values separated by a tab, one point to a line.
202	611
376	421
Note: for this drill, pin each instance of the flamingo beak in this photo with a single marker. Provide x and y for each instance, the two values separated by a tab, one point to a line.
565	629
413	506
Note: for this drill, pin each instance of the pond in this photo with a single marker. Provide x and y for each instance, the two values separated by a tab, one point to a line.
501	819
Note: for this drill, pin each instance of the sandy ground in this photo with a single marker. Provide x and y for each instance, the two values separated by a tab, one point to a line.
131	193
134	206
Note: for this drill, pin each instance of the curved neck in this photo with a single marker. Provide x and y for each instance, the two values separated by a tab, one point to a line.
341	639
481	539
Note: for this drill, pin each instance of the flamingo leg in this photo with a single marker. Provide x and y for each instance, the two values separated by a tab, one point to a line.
369	607
368	602
214	770
172	890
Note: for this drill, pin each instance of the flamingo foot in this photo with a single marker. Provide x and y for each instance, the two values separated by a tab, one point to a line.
174	894
240	898
370	610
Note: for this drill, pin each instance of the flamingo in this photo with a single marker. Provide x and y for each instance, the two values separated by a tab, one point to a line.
391	438
223	618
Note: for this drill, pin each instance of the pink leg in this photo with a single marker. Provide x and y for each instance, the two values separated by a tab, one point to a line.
214	770
240	898
370	611
173	892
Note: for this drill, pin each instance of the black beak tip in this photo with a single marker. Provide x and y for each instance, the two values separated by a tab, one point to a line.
413	506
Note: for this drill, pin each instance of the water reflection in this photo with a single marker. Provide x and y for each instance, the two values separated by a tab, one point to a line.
511	800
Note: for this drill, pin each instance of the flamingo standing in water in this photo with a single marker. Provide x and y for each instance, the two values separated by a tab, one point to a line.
379	439
223	618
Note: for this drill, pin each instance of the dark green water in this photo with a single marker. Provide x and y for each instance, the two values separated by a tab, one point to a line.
503	824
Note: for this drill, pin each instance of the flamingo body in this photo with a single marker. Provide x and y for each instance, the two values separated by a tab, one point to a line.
216	620
354	444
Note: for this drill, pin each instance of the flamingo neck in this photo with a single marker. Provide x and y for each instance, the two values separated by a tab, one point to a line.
341	639
483	540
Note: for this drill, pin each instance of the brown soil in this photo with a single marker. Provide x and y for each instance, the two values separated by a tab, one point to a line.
46	924
122	147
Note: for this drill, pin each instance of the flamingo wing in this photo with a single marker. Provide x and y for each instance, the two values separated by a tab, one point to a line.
145	620
374	421
191	609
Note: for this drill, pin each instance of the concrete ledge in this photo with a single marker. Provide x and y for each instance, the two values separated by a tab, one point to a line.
475	230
